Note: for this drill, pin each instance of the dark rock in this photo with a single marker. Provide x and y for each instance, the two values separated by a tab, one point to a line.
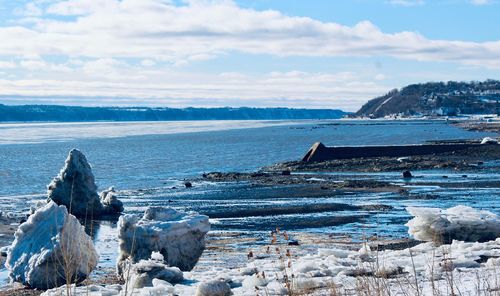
484	258
4	251
407	175
377	207
404	191
286	173
256	175
188	184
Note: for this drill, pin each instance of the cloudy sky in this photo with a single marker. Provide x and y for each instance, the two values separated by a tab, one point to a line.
293	53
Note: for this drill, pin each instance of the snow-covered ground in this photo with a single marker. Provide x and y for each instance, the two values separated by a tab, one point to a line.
430	268
458	268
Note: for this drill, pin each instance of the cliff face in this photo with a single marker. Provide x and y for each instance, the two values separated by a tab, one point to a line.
436	98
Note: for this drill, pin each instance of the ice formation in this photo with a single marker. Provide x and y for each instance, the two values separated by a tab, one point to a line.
75	188
316	274
160	288
213	288
143	273
110	201
426	269
460	223
50	249
178	236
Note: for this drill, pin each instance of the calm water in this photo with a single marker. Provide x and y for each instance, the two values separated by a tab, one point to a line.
144	155
145	160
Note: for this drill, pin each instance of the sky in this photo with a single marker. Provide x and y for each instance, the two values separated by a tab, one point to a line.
258	53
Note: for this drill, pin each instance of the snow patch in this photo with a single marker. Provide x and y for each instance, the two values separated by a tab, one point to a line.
459	223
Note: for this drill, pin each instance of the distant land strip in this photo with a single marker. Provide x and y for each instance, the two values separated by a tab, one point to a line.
452	98
57	113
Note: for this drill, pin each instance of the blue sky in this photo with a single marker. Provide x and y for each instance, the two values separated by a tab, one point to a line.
451	20
263	53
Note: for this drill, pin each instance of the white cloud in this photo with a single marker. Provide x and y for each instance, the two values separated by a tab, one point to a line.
30	9
295	88
137	49
201	29
80	7
101	67
148	63
7	65
33	64
37	64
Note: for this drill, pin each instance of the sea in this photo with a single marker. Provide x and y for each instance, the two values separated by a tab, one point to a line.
148	163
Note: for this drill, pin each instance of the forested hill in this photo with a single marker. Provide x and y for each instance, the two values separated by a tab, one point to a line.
75	114
436	98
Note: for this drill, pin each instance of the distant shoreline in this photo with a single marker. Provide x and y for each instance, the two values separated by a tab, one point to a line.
57	113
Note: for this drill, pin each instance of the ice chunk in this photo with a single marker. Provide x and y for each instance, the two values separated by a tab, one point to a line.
142	274
256	280
156	256
51	249
90	290
277	288
305	266
178	236
306	284
214	288
338	253
75	188
460	223
111	203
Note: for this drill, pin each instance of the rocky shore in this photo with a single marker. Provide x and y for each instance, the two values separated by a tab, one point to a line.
307	185
479	126
311	179
463	160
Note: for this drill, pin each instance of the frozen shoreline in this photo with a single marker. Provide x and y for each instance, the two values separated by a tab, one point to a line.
279	269
245	206
310	241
